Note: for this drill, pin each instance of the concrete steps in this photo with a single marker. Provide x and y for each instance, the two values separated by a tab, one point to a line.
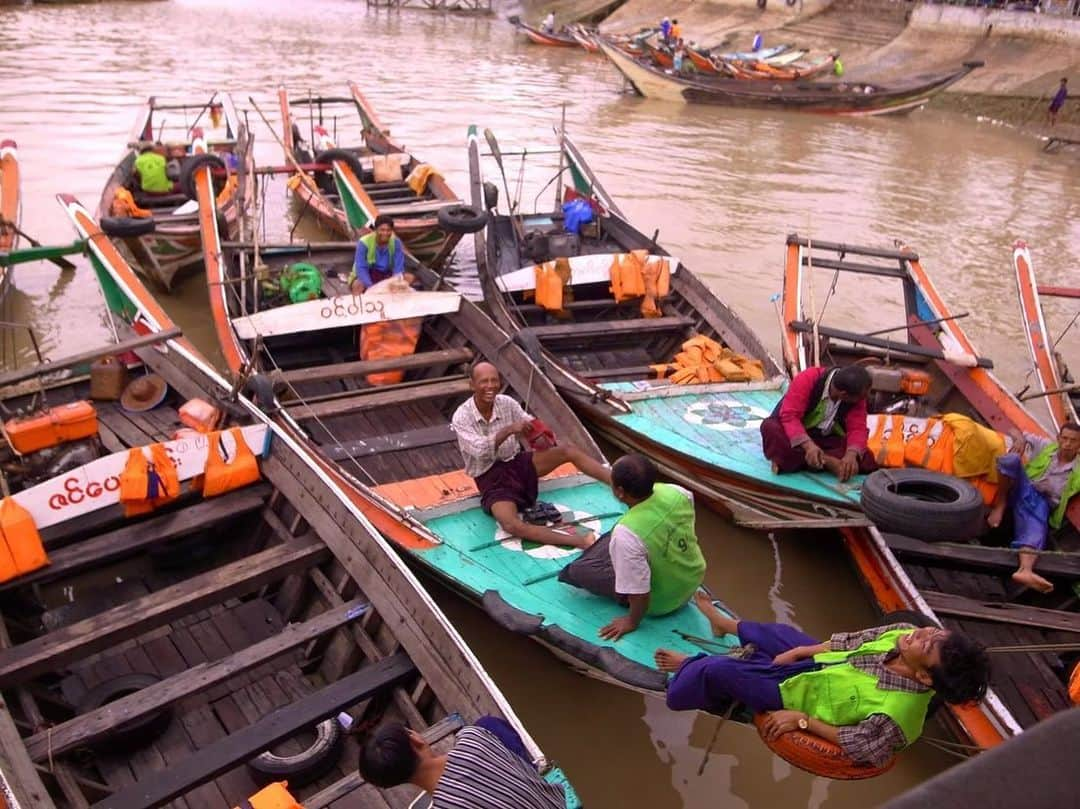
870	23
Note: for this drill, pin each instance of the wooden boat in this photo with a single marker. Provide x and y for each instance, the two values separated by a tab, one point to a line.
166	242
822	97
230	626
560	39
795	70
393	446
10	205
737	56
336	179
702	61
604	358
585	37
960	586
1056	385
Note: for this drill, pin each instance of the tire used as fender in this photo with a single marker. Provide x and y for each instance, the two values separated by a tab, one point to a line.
345	156
127	225
306	766
462	219
922	504
136	733
193	164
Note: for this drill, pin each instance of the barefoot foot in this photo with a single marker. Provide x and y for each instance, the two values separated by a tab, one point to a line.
1030	578
667	660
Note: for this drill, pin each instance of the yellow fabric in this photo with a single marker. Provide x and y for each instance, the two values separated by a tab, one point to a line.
228	191
274	796
977	448
703	360
420	176
386	168
123	204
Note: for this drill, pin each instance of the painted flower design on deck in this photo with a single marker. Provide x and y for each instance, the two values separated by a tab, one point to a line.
538	551
723	413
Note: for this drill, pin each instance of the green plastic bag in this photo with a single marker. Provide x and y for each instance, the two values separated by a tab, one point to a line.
301	282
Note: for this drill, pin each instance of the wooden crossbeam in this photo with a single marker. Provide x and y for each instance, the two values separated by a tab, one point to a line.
94	725
949	604
996	559
604	327
424	359
209	762
373	399
54	651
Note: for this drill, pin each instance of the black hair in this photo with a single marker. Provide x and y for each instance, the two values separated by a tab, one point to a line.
634	474
1070	425
387	758
852	379
964	671
383	219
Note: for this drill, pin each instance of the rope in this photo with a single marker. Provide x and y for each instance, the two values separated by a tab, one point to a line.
954	749
716	734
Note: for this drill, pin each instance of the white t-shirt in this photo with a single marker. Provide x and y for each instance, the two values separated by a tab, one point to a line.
630	558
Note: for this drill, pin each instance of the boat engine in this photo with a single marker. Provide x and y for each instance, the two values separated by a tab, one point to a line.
897	391
36	467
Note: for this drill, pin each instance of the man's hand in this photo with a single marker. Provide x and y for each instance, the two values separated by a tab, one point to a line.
523	427
849	466
815	455
777	723
357	288
1019	442
792	656
623	625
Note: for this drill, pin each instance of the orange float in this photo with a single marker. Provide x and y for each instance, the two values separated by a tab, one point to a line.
818	756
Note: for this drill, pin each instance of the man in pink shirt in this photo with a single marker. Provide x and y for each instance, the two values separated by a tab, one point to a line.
821	424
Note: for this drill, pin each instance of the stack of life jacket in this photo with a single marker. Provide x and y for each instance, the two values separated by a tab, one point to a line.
552	278
634	276
952	444
21	548
124	205
703	360
389	339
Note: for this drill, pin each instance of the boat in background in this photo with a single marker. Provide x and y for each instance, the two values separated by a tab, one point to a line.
1056	385
832	97
160	232
350	170
560	39
304	580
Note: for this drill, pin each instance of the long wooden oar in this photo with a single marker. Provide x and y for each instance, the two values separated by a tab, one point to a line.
62	263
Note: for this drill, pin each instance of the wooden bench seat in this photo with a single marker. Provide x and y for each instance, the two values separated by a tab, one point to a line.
423	359
641	325
374	397
425	206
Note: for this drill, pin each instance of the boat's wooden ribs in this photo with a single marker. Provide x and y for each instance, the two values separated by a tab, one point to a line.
423	359
853	266
64	646
853	249
951	604
209	762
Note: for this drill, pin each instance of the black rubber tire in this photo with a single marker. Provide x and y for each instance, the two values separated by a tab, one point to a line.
306	766
193	164
127	225
345	156
132	735
921	504
462	219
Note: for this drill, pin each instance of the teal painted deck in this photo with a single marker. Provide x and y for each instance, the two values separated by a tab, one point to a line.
527	579
723	430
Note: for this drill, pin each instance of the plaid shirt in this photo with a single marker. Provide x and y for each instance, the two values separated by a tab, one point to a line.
875	739
476	435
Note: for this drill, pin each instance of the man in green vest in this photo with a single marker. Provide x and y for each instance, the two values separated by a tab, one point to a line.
654	550
867	691
150	170
1038	493
379	255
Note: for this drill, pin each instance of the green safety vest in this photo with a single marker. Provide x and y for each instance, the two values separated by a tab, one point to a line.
152	176
816	414
370	241
841	695
665	524
1037	467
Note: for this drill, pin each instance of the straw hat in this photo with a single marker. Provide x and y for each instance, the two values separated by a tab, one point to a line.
143	393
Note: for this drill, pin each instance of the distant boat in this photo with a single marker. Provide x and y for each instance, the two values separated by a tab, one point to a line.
563	39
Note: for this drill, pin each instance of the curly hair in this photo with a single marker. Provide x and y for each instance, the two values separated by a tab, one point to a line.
964	671
387	758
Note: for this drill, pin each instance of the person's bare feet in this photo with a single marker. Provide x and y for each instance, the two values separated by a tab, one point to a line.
1029	578
996	515
667	660
719	623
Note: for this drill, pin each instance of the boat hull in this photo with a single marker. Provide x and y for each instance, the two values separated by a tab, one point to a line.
10	205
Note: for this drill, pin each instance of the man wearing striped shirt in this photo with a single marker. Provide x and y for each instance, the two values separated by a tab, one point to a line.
488	768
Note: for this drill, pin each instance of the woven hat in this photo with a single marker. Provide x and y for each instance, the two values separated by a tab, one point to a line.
143	393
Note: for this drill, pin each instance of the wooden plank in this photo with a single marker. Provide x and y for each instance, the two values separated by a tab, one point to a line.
58	649
424	359
85	357
950	604
132	539
93	725
209	762
639	325
370	400
395	442
996	559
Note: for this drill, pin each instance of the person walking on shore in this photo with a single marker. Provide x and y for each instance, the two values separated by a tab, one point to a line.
1058	101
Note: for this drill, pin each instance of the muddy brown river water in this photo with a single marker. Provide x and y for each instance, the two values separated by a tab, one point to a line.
723	187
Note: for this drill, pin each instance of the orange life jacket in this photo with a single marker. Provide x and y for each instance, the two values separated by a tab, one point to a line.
273	796
145	485
1074	685
124	205
21	550
549	287
220	477
387	339
627	280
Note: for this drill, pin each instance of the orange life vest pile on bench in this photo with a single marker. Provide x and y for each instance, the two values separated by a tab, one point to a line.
702	360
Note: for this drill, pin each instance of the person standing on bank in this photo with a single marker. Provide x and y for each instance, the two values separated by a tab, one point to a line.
657	562
488	427
379	255
1058	101
821	424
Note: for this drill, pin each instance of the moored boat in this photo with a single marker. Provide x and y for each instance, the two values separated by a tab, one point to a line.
1056	385
560	39
10	205
349	170
160	231
296	616
826	97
